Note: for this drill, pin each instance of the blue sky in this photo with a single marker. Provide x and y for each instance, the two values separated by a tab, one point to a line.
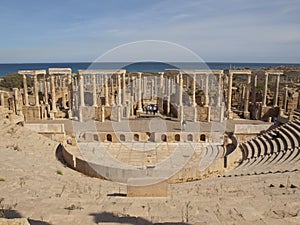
223	31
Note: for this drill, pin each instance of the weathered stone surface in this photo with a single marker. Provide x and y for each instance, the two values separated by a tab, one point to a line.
21	221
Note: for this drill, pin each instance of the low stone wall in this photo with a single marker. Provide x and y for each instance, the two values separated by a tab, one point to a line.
245	132
191	171
77	163
55	132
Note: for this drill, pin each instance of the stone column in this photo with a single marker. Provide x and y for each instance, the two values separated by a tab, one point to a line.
102	114
171	78
229	94
112	91
264	102
53	93
45	90
276	90
152	88
155	87
161	92
139	109
176	81
246	105
194	104
180	98
180	89
169	95
119	89
242	105
81	90
285	99
16	98
106	90
206	90
2	99
253	96
220	91
25	90
123	88
145	86
194	90
94	90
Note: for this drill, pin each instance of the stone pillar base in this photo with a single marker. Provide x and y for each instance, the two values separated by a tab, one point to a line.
70	115
102	114
116	113
52	115
247	115
126	111
180	113
80	115
195	116
229	115
208	114
139	112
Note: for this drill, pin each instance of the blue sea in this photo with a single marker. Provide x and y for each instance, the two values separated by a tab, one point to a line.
134	67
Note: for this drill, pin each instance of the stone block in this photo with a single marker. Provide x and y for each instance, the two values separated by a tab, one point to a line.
147	187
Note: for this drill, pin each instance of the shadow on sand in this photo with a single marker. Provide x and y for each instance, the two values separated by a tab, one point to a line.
13	214
107	217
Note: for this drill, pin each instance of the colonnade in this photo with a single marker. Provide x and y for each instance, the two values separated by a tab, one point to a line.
127	92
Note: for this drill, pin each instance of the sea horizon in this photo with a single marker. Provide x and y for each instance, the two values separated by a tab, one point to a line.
147	66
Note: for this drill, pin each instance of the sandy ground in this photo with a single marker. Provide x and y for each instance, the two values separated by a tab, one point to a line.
35	185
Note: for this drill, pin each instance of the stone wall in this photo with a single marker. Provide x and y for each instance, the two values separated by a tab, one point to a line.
31	113
203	137
55	132
202	113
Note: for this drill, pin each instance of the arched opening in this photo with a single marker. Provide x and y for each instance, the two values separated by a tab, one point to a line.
163	137
177	137
136	137
96	138
109	137
202	137
122	137
190	137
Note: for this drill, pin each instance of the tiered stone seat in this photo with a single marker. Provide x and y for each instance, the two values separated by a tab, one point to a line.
277	150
